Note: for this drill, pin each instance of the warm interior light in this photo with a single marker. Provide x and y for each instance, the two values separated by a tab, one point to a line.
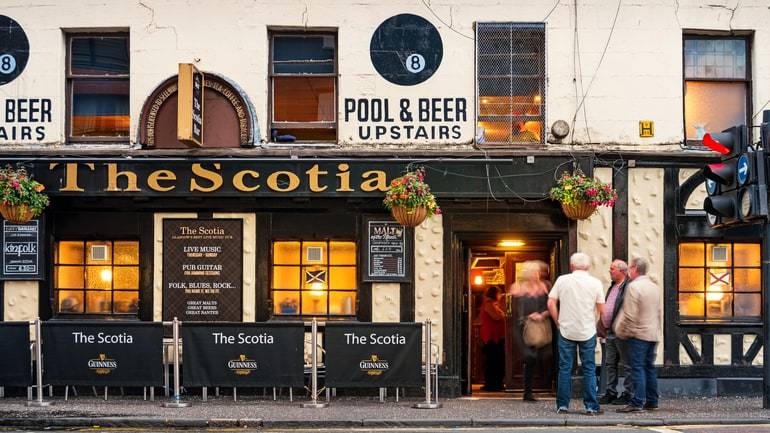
510	243
478	280
484	100
537	98
714	292
316	288
106	275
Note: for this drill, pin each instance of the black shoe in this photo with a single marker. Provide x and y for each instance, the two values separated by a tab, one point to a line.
630	408
648	406
607	399
529	397
621	401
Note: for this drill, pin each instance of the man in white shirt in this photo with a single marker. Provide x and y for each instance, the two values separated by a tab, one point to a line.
580	297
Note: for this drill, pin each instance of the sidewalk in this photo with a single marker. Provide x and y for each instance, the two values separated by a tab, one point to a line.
255	412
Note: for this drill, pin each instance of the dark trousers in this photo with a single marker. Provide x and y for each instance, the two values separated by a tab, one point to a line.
615	359
641	356
529	372
494	365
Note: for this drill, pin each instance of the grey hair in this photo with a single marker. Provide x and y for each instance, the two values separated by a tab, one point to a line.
640	264
580	261
620	265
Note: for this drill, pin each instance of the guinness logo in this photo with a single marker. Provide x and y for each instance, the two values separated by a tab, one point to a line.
242	366
374	366
102	364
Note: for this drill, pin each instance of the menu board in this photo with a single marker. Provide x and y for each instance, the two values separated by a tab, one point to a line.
386	248
203	269
21	251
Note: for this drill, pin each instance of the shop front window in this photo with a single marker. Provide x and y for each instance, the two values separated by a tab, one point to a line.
720	281
303	87
96	277
314	278
98	87
510	73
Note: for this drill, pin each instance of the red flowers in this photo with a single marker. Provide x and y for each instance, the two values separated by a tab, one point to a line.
411	191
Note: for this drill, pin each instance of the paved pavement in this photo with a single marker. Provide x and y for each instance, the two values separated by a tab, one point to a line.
347	412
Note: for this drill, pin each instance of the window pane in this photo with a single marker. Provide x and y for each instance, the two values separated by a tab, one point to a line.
747	255
70	252
342	277
343	303
286	253
748	305
315	278
314	253
290	135
99	55
314	302
99	302
719	305
69	277
126	277
286	277
100	108
712	107
718	280
718	255
298	47
304	68
691	280
98	277
747	280
691	304
510	131
691	254
126	302
342	253
303	99
286	302
126	253
70	301
715	58
98	253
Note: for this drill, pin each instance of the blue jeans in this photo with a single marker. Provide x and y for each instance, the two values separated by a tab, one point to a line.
587	354
641	357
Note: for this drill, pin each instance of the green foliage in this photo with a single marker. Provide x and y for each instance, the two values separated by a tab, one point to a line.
18	188
411	191
577	187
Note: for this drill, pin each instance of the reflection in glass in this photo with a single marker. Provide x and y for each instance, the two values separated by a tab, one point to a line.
691	254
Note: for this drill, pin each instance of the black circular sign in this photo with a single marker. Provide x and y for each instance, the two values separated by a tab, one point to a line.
14	50
406	49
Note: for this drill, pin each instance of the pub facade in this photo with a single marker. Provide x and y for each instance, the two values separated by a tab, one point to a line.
263	201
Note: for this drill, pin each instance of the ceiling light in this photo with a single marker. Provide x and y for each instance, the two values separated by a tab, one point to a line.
478	280
511	243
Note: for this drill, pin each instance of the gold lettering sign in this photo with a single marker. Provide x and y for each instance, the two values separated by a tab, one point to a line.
274	184
154	179
212	176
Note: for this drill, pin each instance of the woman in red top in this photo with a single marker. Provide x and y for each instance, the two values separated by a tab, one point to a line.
493	339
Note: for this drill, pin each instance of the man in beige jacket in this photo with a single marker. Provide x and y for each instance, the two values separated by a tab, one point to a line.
639	324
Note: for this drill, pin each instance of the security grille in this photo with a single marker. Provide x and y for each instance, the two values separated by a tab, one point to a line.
510	85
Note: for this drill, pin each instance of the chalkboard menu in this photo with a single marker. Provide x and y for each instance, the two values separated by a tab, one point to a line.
203	269
21	251
386	248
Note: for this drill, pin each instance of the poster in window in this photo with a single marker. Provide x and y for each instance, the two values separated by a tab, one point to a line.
203	269
21	251
386	251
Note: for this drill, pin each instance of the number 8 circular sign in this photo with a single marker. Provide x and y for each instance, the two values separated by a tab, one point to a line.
406	49
14	50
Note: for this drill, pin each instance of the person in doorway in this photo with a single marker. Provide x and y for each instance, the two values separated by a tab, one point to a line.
531	296
573	303
639	322
493	338
614	350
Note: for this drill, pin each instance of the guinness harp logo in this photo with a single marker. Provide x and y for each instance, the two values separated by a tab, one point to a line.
374	366
102	364
242	366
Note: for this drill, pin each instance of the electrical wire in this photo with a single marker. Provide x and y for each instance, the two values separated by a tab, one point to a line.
551	11
449	26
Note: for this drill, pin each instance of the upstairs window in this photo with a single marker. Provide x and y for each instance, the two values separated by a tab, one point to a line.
98	87
510	73
303	87
717	76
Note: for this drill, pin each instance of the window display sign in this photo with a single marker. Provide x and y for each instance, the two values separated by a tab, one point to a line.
203	269
16	362
243	354
373	354
386	247
21	251
103	353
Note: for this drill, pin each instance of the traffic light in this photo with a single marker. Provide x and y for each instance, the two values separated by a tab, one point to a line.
722	178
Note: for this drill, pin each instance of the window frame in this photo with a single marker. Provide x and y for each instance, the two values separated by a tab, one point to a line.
272	124
542	84
748	81
71	78
705	320
57	313
299	315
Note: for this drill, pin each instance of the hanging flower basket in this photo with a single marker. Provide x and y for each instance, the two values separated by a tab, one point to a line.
579	210
409	218
409	199
21	197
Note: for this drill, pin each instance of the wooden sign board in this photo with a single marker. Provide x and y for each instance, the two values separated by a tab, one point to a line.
190	105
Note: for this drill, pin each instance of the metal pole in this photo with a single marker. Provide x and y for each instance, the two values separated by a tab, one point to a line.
176	400
39	367
766	319
428	403
314	403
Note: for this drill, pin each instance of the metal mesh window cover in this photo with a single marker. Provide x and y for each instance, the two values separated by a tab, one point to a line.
510	83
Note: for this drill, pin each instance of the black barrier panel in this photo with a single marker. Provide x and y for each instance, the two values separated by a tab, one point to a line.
243	354
373	354
16	360
103	353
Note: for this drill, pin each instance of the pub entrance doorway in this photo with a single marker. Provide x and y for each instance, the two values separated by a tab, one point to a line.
500	263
